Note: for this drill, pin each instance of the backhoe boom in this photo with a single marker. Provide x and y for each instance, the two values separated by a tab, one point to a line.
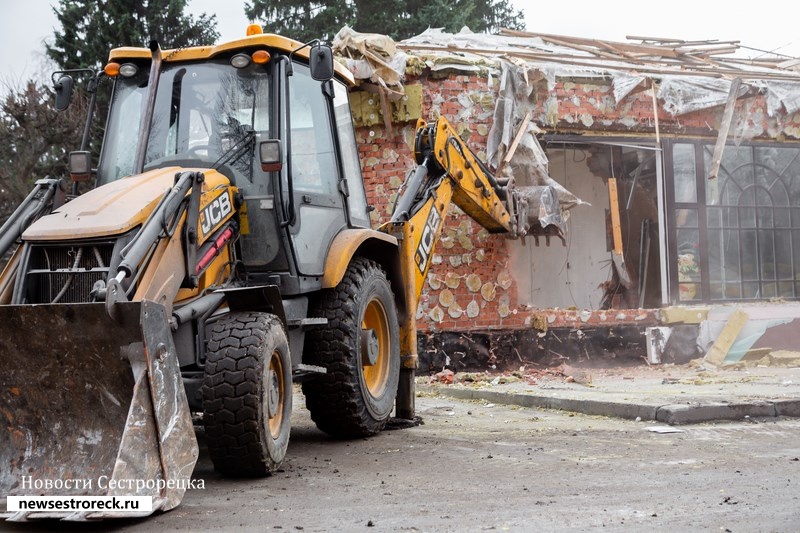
447	172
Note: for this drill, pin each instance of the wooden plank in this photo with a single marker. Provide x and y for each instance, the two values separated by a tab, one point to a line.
513	148
616	226
724	128
756	354
663	66
628	47
685	46
716	355
671	316
659	40
593	49
626	55
617	256
720	50
655	111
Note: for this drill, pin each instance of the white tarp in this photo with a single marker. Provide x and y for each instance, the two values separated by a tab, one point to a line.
683	95
783	92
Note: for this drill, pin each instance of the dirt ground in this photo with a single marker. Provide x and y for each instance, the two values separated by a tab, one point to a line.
483	467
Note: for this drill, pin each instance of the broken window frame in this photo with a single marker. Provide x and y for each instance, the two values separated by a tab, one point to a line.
637	143
707	291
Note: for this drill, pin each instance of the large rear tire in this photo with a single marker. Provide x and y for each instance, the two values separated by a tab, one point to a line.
359	347
247	394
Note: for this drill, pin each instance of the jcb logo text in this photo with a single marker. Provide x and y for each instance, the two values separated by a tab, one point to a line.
423	255
214	213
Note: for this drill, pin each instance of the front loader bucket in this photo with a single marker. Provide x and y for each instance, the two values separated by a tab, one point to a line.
92	406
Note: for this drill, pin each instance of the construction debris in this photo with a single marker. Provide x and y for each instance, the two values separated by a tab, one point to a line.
758	331
719	350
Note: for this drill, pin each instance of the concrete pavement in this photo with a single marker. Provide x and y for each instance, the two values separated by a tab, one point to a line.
671	394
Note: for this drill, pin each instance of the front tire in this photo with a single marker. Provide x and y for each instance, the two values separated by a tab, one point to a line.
247	394
359	347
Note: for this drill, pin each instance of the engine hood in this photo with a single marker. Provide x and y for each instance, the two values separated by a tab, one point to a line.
112	209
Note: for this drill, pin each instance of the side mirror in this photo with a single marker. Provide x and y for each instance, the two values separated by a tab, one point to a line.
271	155
63	89
80	166
321	62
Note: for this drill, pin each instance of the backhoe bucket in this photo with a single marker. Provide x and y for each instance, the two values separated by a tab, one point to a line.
92	406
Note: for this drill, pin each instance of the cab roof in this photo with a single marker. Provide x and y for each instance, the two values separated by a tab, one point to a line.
194	53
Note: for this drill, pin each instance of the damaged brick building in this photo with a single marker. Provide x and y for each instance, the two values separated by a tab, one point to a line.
668	182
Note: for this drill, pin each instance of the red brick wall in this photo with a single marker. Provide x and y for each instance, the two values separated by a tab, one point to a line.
466	251
589	107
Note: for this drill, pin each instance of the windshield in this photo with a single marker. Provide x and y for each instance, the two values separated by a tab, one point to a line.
206	115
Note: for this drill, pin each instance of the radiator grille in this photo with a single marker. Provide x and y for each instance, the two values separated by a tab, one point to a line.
66	273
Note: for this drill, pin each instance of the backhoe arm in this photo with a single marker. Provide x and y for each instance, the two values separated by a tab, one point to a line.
447	171
443	159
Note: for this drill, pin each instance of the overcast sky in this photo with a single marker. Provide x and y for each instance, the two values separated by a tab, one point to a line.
766	25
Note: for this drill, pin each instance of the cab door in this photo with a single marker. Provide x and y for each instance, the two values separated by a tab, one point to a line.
314	167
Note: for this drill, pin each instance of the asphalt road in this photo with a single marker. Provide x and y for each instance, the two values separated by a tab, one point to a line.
478	467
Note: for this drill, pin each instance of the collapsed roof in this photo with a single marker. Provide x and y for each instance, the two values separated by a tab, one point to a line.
686	76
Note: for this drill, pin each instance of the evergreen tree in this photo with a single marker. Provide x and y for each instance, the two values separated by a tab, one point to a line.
305	20
90	28
34	140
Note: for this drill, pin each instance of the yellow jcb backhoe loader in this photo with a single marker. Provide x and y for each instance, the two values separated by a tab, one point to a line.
223	251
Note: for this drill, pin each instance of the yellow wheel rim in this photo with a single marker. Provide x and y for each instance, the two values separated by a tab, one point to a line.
375	376
276	389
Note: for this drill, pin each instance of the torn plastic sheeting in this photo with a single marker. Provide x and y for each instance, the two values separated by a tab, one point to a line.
543	205
371	56
450	62
529	164
786	93
512	91
552	71
458	57
466	39
682	95
624	84
470	111
745	128
530	169
465	62
529	157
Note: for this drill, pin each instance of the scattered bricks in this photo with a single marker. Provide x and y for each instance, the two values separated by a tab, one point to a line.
590	318
446	376
696	413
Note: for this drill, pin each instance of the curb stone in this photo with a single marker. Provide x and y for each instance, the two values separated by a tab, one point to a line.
673	414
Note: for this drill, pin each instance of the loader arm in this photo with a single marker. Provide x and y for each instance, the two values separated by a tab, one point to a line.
447	172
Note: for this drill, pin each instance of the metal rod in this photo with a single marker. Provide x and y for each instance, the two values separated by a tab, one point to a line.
87	128
147	116
407	200
29	210
149	234
198	307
